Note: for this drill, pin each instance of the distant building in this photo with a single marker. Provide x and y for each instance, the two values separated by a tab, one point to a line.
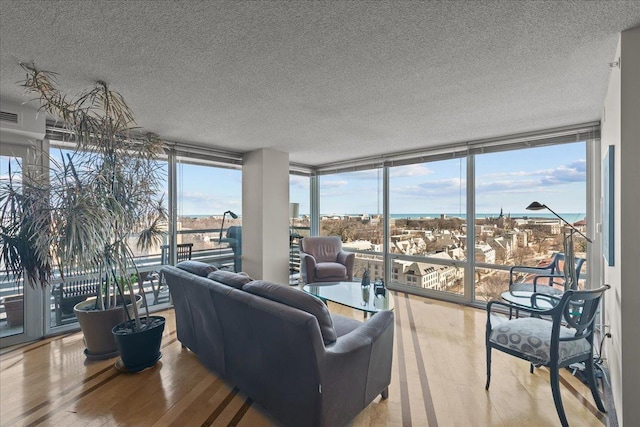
485	253
360	245
522	239
502	247
552	226
413	273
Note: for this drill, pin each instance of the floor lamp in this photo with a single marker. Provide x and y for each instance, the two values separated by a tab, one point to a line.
569	267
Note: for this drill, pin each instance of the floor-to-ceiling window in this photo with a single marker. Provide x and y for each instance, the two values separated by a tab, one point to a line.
427	213
209	212
351	208
21	305
428	206
77	286
11	290
299	219
207	193
458	220
507	234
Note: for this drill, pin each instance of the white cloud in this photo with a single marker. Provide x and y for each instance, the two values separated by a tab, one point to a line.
410	170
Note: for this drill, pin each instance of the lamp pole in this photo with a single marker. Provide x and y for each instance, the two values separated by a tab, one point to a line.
234	216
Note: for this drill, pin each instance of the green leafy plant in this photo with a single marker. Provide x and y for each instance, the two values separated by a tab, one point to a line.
19	230
80	213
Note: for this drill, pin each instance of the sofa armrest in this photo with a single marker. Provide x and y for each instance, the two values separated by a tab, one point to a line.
362	336
357	367
347	259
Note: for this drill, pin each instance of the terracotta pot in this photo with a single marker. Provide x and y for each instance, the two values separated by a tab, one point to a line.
96	326
14	307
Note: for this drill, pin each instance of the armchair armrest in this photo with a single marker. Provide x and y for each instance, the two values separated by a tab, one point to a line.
538	271
307	267
531	310
551	278
347	259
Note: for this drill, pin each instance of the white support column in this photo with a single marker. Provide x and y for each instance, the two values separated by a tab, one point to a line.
265	215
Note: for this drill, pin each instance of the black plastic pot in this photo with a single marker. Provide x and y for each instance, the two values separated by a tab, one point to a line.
140	349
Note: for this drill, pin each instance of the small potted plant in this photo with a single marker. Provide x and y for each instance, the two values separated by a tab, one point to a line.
84	207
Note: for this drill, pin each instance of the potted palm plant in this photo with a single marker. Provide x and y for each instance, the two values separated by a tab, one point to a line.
90	205
18	231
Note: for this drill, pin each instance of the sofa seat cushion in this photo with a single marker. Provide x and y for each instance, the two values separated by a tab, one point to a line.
229	278
330	269
298	299
196	267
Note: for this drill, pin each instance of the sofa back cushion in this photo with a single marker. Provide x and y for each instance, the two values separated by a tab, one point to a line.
196	267
298	299
236	280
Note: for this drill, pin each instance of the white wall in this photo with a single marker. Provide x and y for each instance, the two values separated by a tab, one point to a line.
621	128
30	126
265	215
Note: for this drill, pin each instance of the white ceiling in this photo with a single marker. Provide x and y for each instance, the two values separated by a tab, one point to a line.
327	81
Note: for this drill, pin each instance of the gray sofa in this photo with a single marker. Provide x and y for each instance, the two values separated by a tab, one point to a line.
281	346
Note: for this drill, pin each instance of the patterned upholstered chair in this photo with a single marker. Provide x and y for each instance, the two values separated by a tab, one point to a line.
323	260
564	340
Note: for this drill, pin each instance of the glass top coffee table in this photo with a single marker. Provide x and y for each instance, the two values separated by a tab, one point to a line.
351	294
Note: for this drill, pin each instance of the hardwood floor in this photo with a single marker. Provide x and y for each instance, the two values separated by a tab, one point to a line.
438	379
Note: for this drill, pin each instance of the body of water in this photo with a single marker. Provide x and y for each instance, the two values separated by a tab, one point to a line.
570	217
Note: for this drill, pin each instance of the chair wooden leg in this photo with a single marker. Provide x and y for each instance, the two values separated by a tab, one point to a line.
593	384
557	398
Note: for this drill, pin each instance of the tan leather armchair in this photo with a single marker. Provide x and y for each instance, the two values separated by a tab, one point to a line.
323	260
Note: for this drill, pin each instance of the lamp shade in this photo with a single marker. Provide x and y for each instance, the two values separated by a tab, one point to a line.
294	209
234	216
536	206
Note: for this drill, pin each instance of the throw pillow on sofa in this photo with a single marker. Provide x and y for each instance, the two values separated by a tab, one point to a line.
236	280
298	299
196	267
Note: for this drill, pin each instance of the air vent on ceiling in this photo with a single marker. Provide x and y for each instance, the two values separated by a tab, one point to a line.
20	121
8	117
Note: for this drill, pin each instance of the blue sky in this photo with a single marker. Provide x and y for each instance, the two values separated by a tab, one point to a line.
205	190
555	176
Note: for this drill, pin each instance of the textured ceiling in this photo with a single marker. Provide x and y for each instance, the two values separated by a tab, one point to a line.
327	81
